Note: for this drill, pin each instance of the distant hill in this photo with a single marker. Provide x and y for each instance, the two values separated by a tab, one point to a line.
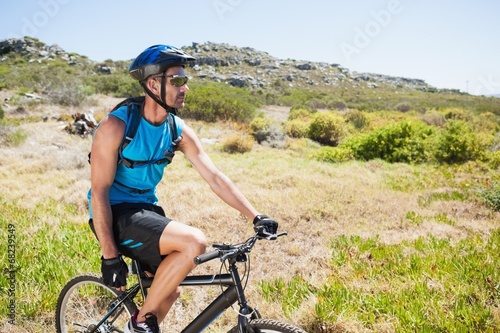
28	65
238	66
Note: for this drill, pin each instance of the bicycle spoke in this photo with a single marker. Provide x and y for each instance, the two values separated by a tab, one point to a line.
85	302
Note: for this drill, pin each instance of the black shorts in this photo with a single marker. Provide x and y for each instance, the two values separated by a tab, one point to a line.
137	229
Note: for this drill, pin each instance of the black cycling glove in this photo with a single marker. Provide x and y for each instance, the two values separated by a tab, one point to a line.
264	223
114	272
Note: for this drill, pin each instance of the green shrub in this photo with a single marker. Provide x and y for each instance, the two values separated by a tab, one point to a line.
457	143
338	105
356	118
68	93
260	124
493	159
296	97
301	113
1	112
237	144
217	101
492	196
333	154
486	122
4	69
434	119
10	137
457	114
327	128
403	107
20	61
116	84
404	141
317	103
297	128
261	128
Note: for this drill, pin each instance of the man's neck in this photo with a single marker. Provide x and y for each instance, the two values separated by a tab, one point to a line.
154	113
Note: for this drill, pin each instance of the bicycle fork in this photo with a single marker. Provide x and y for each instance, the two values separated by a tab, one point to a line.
245	312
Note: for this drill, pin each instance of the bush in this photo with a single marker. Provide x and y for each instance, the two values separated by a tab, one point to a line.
457	143
10	137
457	114
403	107
492	197
434	119
493	159
338	105
237	144
68	93
116	85
1	112
296	97
327	128
218	101
301	113
316	103
333	155
356	118
262	130
297	128
398	142
259	124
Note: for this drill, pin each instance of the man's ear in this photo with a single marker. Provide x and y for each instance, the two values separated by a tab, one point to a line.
153	85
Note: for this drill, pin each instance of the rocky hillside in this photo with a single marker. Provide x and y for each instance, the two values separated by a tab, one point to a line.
257	69
234	65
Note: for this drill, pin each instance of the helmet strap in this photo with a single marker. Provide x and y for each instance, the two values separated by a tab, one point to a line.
159	101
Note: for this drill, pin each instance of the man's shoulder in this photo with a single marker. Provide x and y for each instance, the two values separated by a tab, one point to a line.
120	113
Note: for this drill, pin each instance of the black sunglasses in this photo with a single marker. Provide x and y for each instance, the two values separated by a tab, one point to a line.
178	80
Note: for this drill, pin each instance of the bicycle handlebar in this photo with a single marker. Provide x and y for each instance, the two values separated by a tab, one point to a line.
226	251
206	257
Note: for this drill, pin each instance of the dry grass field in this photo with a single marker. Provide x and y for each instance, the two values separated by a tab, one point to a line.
313	201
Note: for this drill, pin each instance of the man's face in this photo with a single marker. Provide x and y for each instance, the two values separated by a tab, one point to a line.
175	96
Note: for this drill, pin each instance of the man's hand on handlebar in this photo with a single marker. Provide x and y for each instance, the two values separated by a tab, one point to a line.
264	226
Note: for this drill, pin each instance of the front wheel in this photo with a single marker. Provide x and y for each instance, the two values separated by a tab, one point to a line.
270	326
84	302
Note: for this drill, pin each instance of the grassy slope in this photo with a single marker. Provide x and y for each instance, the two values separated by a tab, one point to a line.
44	183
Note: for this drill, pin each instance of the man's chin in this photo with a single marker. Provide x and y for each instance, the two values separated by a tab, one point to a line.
179	103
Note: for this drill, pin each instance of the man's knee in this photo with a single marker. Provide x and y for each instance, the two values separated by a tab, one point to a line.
181	238
199	241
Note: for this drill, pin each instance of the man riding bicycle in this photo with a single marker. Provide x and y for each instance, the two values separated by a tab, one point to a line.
124	211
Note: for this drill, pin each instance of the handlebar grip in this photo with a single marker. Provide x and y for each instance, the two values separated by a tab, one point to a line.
206	257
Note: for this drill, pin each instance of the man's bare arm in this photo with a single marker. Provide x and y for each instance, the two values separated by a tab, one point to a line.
104	155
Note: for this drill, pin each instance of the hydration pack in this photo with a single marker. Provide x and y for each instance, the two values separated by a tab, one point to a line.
133	121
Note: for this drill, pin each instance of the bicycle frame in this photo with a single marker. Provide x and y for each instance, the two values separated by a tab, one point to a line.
234	293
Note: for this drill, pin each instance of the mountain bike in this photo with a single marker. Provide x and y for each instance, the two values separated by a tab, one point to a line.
87	305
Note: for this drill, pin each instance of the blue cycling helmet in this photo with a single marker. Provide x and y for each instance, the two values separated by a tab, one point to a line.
156	59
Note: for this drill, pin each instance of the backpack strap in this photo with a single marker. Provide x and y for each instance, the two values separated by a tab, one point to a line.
176	138
133	121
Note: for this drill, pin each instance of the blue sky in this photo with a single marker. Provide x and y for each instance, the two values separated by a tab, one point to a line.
448	43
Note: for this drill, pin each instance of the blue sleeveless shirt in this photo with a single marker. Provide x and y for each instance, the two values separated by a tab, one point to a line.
149	143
